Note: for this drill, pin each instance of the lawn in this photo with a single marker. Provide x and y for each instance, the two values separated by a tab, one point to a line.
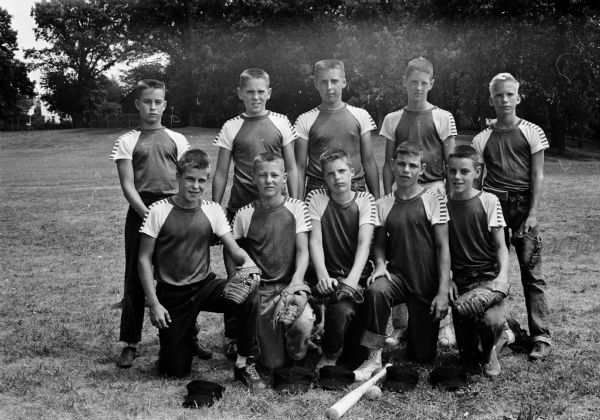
61	261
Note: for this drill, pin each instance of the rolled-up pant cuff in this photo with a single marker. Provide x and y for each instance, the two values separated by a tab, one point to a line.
542	338
372	340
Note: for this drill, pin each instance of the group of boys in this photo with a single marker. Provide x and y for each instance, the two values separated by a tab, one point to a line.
304	211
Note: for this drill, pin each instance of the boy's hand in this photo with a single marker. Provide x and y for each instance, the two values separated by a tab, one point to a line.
379	272
453	293
529	224
159	316
439	306
327	285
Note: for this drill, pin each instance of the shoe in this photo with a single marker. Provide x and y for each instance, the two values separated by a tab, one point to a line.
325	361
230	350
125	360
394	339
249	376
365	371
200	351
492	368
540	351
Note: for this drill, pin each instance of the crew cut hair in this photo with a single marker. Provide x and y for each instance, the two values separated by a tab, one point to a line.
501	78
144	84
254	73
193	158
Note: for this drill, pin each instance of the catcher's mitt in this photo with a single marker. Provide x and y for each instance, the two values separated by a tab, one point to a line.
241	283
290	305
528	247
345	291
476	301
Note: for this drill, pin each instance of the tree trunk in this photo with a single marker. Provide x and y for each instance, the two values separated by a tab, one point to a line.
557	131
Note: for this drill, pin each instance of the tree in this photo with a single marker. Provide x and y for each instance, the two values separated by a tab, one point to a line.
16	90
86	38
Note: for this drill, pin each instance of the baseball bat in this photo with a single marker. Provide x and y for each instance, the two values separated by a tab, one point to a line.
338	409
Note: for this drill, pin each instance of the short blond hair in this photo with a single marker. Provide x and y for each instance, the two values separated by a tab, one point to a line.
254	73
419	64
501	78
331	63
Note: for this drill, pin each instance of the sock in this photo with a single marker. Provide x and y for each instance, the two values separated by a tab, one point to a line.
241	361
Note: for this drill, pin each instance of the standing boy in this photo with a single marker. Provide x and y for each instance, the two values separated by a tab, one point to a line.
255	131
479	262
274	231
175	251
422	123
147	164
512	150
334	125
342	229
412	237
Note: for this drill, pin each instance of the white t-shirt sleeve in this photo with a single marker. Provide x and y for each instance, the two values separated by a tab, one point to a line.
317	201
535	136
241	222
228	132
288	135
123	148
479	142
216	217
180	141
390	122
493	210
445	125
435	208
365	121
366	209
155	218
303	223
305	122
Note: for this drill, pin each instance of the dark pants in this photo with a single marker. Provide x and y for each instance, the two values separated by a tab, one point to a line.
313	183
132	313
184	303
422	330
515	209
338	318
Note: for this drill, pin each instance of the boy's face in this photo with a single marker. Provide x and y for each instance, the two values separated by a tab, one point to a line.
330	83
255	93
151	105
192	183
505	98
407	170
269	178
461	174
417	85
338	176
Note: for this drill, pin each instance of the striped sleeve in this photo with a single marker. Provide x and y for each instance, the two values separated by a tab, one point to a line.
300	212
479	142
435	207
305	122
366	209
383	207
493	210
123	148
444	123
180	141
317	201
228	132
390	122
216	216
364	119
534	135
241	221
155	217
288	134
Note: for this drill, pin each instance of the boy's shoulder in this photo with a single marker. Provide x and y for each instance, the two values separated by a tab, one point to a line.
321	192
309	114
174	134
124	144
533	129
437	111
278	116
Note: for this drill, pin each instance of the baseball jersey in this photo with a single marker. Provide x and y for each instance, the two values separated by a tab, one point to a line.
154	155
269	236
183	237
472	244
411	248
428	128
506	154
246	137
339	226
326	129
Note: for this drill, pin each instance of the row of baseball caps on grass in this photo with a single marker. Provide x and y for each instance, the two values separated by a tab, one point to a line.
203	393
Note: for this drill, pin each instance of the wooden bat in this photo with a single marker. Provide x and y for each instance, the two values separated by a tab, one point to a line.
338	409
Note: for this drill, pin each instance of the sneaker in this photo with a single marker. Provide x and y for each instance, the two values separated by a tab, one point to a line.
249	377
540	351
230	350
125	360
394	339
365	371
492	368
200	351
325	361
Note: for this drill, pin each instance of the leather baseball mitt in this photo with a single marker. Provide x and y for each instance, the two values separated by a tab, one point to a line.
290	305
476	301
241	283
345	291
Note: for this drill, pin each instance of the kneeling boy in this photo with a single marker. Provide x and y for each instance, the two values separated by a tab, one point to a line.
274	231
342	229
176	236
412	236
479	262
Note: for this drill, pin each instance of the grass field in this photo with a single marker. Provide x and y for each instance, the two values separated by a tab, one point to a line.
61	268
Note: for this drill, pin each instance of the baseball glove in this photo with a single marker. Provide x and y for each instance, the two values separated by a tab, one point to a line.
291	304
528	247
345	291
476	301
241	283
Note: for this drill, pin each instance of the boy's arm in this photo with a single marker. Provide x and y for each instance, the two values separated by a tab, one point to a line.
126	178
379	256
158	314
221	174
301	150
325	284
439	305
365	236
388	174
302	257
369	164
537	180
501	259
239	256
448	146
289	161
